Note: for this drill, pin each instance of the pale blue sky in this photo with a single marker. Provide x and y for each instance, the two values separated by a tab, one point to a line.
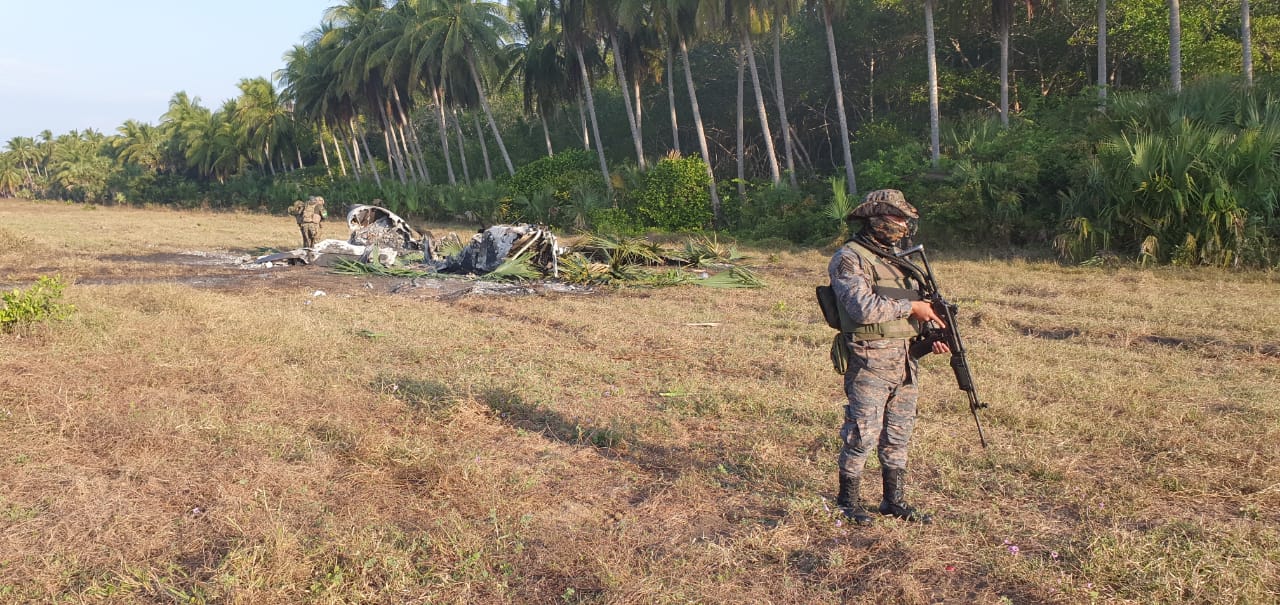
77	64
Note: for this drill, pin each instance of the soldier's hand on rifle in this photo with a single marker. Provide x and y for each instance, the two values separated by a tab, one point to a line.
923	311
940	347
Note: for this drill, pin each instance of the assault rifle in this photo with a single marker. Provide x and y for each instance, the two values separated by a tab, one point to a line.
931	332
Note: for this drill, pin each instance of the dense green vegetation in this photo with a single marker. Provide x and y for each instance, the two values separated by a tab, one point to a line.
461	108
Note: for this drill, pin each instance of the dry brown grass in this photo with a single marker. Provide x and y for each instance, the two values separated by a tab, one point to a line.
243	441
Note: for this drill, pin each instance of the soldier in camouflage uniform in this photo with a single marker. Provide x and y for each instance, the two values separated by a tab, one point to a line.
310	214
877	321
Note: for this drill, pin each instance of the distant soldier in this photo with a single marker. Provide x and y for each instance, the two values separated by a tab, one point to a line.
310	214
878	318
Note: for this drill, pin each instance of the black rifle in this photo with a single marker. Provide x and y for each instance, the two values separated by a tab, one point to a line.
931	332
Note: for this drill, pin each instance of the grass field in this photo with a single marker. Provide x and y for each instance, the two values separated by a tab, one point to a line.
206	434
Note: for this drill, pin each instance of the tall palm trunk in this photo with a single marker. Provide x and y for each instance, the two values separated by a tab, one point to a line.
591	109
444	133
1246	42
546	134
324	153
357	162
852	184
407	124
739	127
624	87
1175	45
418	155
1102	52
462	146
337	146
402	143
266	154
671	102
582	124
484	148
488	113
771	154
635	83
368	155
1005	7
935	148
779	97
702	133
395	167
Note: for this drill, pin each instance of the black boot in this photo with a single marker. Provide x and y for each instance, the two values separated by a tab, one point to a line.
893	504
849	502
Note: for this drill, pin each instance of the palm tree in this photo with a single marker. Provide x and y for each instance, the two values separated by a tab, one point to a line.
1246	42
935	152
23	150
1175	45
682	20
573	18
832	9
781	10
468	35
1003	13
11	177
747	15
1102	52
607	17
184	120
357	26
262	119
536	60
139	143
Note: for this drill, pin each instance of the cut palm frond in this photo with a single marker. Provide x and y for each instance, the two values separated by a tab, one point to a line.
671	277
351	267
450	245
517	268
737	277
621	250
578	269
703	250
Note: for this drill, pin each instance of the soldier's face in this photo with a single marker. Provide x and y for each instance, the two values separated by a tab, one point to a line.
889	229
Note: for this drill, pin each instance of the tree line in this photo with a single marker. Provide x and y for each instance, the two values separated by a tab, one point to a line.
777	96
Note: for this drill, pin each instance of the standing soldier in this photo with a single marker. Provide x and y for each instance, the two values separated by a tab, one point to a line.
877	319
310	214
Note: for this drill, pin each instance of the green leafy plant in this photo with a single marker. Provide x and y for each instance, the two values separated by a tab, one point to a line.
35	304
674	195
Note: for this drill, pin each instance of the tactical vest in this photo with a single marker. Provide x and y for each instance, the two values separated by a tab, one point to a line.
311	213
886	280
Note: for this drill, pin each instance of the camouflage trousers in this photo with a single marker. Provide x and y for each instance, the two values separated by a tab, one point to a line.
310	231
882	391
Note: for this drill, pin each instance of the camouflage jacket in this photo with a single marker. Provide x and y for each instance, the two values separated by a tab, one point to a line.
853	278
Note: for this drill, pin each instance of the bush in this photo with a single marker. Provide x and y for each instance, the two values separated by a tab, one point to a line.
798	216
35	304
559	174
673	195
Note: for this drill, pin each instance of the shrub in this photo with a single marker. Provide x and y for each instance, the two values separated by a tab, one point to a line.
559	174
35	304
674	195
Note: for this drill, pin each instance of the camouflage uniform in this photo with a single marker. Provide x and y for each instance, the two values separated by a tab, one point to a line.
881	382
309	215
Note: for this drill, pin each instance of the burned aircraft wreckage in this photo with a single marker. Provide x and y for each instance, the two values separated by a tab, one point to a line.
380	240
377	234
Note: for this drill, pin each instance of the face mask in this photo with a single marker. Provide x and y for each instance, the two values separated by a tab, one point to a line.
887	232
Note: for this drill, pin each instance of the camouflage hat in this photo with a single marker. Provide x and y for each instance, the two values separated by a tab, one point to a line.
883	202
316	198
